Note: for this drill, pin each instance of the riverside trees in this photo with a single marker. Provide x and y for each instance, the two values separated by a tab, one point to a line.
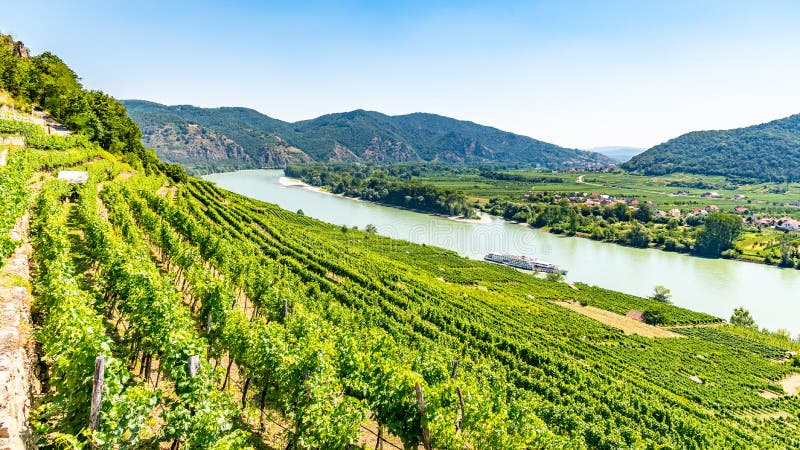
718	234
742	318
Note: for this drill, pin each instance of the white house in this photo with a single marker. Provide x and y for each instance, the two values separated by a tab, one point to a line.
788	224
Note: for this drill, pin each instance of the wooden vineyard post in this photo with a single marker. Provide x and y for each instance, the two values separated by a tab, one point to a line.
193	365
208	323
461	408
426	434
460	397
97	392
379	442
244	392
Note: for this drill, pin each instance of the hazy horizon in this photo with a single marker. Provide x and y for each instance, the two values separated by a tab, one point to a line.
578	74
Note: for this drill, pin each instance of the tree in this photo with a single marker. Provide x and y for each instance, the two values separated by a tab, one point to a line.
653	316
783	333
742	318
621	212
637	236
787	251
371	229
661	294
643	214
556	277
718	234
176	173
673	224
573	223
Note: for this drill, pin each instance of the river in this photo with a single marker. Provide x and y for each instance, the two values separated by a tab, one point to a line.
714	286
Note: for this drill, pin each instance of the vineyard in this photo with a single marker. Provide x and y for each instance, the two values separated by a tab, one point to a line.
174	314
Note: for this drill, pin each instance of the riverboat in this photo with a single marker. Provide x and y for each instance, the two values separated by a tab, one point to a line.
523	262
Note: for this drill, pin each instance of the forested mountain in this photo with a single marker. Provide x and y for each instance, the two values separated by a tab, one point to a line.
221	138
769	151
214	139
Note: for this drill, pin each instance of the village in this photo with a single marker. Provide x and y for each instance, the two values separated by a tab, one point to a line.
783	223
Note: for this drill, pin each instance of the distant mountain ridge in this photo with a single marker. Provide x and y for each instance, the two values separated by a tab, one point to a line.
214	139
618	153
769	152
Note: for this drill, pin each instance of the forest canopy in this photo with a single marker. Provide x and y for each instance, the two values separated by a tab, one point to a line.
48	83
769	152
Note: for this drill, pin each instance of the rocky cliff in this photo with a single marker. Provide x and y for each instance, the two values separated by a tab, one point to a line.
204	139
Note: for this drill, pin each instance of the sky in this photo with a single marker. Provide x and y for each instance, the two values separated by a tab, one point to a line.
579	74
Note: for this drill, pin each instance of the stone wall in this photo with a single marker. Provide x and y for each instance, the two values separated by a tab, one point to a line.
12	140
18	384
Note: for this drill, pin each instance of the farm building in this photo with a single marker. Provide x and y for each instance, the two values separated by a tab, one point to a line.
635	315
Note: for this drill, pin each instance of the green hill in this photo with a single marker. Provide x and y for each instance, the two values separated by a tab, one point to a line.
770	152
238	137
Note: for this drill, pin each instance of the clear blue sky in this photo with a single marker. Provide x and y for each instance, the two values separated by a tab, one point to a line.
575	73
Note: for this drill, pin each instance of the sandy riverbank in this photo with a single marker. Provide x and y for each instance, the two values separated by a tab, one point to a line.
294	182
484	219
289	182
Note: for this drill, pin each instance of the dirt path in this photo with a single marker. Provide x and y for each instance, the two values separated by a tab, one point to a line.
791	384
3	157
17	381
626	324
580	180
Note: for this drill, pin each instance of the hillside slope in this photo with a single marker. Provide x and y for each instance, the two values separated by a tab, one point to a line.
241	137
769	151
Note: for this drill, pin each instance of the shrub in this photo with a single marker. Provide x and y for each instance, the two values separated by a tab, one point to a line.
654	316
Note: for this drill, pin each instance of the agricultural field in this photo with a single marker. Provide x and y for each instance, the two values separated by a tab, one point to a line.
765	198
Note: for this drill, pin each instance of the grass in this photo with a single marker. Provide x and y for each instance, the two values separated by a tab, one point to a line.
620	322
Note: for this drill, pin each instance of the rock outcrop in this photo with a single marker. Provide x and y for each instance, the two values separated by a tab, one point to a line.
195	146
21	50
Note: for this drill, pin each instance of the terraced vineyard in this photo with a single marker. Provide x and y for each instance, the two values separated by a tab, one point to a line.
584	381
